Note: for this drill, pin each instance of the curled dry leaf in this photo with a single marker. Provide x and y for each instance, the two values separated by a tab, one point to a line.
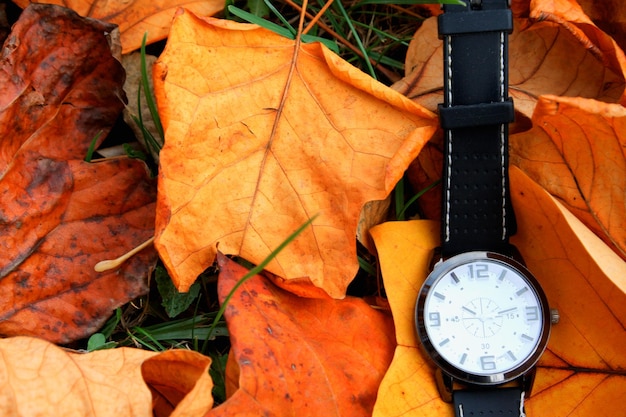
59	87
301	356
582	371
180	383
554	49
41	379
135	17
583	367
575	151
610	16
259	140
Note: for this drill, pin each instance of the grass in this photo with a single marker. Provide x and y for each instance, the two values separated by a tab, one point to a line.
371	34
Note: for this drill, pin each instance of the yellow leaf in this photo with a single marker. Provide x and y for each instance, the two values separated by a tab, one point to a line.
41	379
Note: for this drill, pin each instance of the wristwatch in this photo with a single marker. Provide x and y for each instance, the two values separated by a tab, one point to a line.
481	316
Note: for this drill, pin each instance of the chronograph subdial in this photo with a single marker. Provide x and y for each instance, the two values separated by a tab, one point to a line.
481	317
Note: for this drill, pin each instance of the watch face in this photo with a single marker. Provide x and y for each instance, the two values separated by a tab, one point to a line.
482	318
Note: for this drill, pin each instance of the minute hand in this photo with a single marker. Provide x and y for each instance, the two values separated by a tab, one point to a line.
507	310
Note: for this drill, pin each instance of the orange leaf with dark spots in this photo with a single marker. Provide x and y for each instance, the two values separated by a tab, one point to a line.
301	356
59	215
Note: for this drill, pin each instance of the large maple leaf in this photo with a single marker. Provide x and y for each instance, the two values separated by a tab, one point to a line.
262	133
59	215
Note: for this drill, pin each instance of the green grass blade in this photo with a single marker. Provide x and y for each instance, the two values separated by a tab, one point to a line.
146	89
357	38
151	143
280	17
413	199
258	269
159	347
249	17
367	267
258	8
92	147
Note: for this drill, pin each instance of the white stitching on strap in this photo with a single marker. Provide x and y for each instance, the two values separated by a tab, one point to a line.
449	133
503	94
521	406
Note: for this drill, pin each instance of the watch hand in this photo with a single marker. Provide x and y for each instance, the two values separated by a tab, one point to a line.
469	311
507	310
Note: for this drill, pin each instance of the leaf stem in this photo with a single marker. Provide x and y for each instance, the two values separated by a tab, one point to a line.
114	263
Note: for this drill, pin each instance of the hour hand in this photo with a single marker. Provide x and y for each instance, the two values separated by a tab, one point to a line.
469	311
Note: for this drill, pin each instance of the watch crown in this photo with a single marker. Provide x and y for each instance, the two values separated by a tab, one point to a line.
554	316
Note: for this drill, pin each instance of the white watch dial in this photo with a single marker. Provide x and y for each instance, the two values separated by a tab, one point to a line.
483	317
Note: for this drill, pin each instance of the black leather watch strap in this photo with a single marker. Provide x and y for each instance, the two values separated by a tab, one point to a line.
475	114
498	402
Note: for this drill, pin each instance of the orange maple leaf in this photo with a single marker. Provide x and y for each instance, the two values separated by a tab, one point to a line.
259	140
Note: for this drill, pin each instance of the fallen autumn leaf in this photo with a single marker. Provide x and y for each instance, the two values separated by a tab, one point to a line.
59	214
55	382
123	382
301	356
262	133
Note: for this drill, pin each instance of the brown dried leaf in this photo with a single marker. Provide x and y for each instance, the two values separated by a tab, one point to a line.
60	86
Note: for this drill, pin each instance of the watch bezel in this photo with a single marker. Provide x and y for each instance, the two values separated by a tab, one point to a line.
439	270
